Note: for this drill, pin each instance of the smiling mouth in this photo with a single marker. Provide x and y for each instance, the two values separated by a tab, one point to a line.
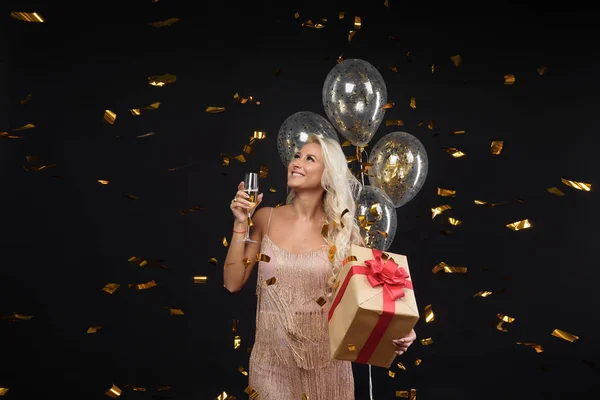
296	174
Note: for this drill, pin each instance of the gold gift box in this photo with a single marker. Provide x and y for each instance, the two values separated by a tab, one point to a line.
359	329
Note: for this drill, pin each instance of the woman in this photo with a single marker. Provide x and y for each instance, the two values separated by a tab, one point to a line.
291	355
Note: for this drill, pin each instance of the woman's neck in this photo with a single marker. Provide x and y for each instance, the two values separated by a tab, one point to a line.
308	206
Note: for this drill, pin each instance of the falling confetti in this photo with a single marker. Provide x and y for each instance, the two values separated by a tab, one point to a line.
457	60
357	23
168	22
391	374
443	267
138	111
519	225
214	110
176	311
454	152
401	366
200	279
438	210
237	342
542	70
538	348
503	319
162	80
564	335
426	341
586	187
110	288
93	329
114	392
556	191
446	192
143	286
509	79
459	132
496	147
429	316
3	391
110	116
413	103
27	16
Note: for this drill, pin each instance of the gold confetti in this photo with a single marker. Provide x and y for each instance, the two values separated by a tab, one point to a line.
138	261
443	267
176	311
310	24
388	105
142	286
426	341
412	395
431	125
297	15
420	123
236	325
509	79
496	147
304	396
190	210
351	347
27	17
16	317
213	260
391	374
260	135
7	136
138	111
459	132
394	68
556	191
485	204
483	293
114	392
564	335
26	100
145	135
341	15
351	35
162	80
244	100
253	394
272	190
262	257
357	23
163	388
93	329
321	301
237	342
168	22
225	243
537	347
413	103
434	68
457	60
401	366
387	3
243	371
454	152
271	281
418	362
331	254
586	187
396	122
102	181
454	221
3	391
438	210
504	319
110	116
542	70
264	171
200	279
110	288
429	316
214	110
224	396
519	225
246	262
446	192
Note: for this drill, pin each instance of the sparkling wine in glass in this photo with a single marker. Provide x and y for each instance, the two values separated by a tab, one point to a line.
251	188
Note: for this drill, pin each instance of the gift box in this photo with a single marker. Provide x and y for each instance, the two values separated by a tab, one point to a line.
373	303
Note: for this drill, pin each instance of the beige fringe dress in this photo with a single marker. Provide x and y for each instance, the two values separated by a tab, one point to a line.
291	357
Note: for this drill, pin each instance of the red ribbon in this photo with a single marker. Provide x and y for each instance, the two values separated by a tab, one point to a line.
394	280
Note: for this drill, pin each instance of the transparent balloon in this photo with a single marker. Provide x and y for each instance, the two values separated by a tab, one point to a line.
295	130
354	94
376	217
399	166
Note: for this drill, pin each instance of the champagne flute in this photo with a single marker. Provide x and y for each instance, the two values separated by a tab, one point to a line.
251	188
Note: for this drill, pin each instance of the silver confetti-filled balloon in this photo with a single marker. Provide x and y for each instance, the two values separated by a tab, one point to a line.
295	130
376	217
354	94
399	166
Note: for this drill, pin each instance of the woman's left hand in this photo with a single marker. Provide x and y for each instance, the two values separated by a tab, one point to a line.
403	343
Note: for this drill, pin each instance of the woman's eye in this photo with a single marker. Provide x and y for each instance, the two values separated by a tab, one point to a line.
296	156
310	159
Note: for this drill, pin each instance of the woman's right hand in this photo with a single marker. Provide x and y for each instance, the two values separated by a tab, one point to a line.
240	204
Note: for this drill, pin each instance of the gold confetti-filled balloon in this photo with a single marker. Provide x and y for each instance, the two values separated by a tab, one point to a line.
399	166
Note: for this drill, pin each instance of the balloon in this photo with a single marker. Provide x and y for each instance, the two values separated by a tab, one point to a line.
376	214
353	96
399	166
294	132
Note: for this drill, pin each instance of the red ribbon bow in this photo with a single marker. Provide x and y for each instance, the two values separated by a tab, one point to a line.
386	273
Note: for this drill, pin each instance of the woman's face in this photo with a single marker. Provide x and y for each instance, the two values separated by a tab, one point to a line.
306	168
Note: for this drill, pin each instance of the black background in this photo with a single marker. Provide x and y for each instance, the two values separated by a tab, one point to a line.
64	236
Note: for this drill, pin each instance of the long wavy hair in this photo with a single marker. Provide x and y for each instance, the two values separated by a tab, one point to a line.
341	190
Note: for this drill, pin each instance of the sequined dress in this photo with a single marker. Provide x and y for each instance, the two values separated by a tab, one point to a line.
291	357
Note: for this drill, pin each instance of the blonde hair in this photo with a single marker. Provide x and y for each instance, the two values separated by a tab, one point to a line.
341	190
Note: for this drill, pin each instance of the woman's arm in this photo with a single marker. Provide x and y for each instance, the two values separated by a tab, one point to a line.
236	272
